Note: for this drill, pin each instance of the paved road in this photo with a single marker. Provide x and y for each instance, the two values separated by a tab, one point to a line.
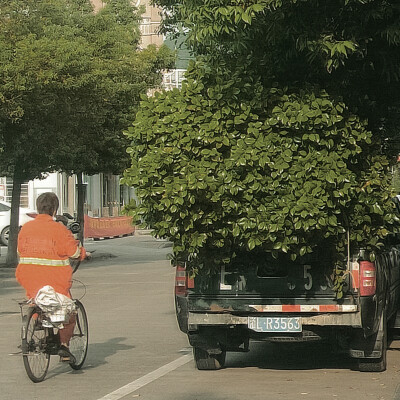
137	351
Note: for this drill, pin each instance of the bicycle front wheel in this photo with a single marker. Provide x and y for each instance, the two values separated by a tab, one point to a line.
34	342
78	344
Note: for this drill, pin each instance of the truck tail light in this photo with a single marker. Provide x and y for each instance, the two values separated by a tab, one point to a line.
182	281
367	278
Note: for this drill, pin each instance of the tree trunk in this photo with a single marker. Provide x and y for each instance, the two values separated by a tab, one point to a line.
81	199
12	257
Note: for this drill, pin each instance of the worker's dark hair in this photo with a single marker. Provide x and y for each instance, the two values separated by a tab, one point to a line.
47	203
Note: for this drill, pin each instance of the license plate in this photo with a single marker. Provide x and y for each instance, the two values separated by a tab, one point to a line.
274	324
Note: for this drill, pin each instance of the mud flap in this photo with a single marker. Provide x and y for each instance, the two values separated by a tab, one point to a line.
210	341
371	346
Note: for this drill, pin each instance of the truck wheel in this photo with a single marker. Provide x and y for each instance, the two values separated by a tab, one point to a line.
206	361
376	364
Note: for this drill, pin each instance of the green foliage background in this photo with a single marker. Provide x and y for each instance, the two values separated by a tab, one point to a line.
229	164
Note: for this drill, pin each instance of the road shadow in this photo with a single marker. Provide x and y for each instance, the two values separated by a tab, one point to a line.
99	352
97	355
290	356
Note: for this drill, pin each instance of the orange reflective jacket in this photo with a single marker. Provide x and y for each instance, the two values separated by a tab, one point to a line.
44	247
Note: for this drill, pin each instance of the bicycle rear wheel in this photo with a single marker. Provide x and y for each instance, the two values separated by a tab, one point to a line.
34	341
78	344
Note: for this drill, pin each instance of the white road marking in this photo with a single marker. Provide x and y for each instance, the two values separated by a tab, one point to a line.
9	314
146	379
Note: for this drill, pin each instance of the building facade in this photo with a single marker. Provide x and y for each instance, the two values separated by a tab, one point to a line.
151	19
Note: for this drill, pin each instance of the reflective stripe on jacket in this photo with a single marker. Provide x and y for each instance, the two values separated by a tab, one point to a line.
43	261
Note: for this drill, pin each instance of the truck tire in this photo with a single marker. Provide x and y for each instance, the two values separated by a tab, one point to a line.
377	364
206	361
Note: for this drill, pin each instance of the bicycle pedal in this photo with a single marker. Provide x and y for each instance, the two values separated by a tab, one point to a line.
65	360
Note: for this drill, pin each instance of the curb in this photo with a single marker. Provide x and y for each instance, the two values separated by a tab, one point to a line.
142	232
109	237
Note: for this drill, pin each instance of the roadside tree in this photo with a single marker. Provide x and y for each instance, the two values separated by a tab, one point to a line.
69	85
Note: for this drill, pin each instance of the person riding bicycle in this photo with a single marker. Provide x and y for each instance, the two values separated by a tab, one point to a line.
44	248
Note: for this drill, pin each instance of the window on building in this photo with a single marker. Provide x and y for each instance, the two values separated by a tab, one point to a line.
24	193
173	79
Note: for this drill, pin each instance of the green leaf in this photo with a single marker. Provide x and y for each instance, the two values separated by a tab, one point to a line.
251	244
246	18
257	7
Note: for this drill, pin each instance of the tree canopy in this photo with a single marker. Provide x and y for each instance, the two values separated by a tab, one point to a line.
71	79
349	47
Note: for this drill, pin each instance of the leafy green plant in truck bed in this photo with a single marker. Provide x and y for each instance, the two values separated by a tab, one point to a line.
227	165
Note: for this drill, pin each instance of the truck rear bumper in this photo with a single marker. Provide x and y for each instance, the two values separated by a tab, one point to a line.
324	319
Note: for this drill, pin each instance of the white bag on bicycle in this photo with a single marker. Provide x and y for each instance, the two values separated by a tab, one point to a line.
57	306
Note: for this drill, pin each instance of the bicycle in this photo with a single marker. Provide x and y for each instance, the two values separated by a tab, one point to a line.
40	339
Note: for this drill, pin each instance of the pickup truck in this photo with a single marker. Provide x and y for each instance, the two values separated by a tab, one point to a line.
263	298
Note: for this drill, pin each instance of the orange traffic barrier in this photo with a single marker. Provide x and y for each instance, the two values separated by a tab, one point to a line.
108	227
